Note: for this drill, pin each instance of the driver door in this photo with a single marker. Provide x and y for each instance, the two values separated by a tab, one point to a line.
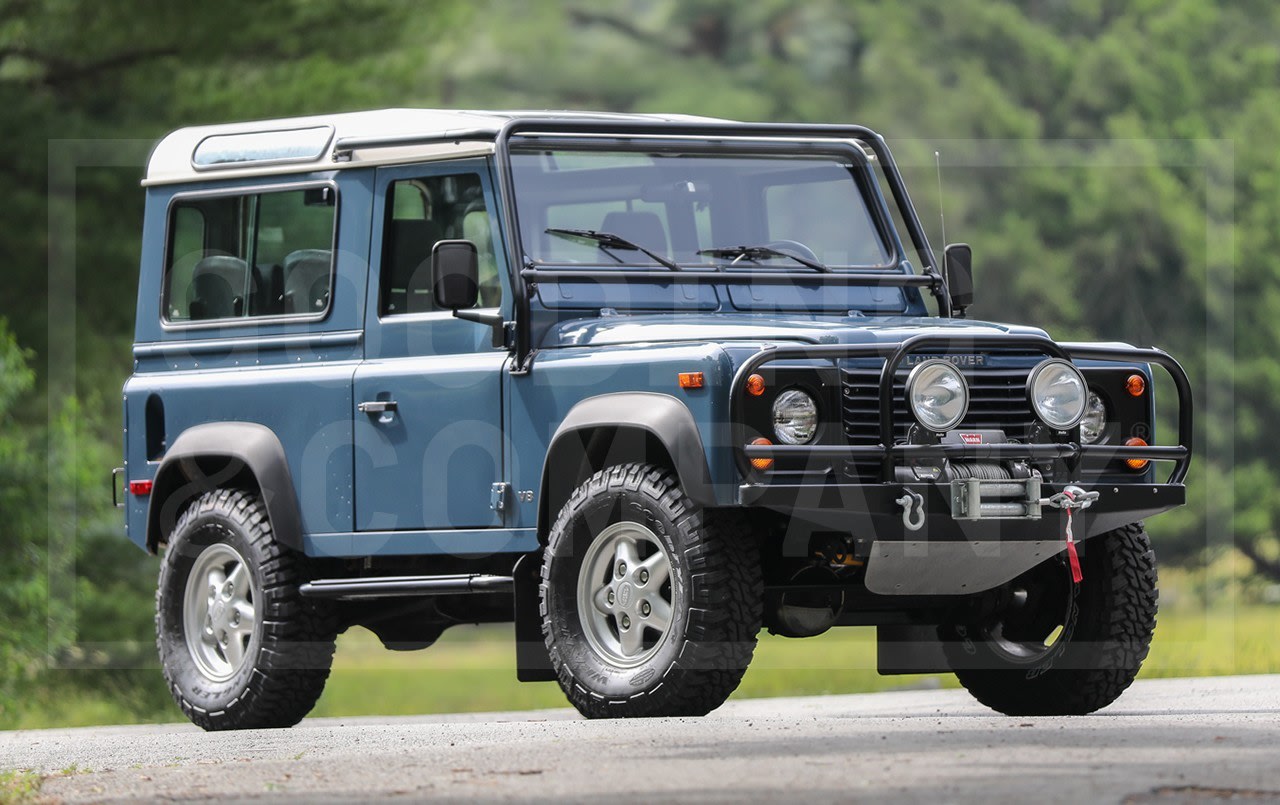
428	436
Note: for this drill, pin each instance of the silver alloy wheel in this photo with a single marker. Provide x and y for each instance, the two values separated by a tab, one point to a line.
218	611
624	594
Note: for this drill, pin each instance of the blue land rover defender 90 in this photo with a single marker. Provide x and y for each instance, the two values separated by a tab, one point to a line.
641	385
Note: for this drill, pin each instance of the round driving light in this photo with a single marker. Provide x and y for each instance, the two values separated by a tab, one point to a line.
1058	393
1095	419
795	417
938	395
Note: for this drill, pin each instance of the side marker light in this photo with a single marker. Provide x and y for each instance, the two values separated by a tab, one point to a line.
691	380
761	463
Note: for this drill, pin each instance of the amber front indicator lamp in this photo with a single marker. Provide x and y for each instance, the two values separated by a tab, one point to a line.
691	380
755	385
761	463
1135	385
1136	463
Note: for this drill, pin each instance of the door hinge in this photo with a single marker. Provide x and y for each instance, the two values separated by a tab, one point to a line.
498	497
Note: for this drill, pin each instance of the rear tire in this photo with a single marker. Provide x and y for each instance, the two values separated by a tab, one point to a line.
239	647
1106	622
650	605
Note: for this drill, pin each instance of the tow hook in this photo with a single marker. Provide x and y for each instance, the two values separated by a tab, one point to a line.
912	501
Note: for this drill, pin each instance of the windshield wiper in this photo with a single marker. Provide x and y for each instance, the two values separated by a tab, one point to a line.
608	240
757	253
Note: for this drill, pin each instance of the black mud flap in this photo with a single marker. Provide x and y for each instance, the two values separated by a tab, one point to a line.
909	650
532	662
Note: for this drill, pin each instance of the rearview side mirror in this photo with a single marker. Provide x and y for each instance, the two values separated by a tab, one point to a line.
958	266
455	274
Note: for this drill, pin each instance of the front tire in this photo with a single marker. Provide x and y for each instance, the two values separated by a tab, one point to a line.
1058	648
239	647
650	605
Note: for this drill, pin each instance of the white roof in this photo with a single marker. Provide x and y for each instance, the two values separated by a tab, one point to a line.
307	143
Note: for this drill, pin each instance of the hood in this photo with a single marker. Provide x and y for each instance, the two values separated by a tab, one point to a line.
630	330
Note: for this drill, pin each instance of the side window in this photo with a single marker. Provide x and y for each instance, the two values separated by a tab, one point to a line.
251	255
420	213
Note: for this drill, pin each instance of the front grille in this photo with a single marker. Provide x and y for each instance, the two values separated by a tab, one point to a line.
997	400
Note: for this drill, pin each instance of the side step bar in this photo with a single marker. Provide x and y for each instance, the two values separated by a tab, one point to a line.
406	586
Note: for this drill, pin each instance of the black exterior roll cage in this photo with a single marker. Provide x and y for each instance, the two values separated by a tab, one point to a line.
930	276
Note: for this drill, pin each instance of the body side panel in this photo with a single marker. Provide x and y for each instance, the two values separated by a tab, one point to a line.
291	377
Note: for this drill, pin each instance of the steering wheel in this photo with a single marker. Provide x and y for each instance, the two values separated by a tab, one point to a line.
794	247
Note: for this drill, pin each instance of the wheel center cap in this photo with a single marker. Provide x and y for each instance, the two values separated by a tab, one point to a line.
624	594
219	609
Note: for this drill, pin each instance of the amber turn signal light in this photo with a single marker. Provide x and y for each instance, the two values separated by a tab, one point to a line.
761	463
1136	463
1135	385
690	380
755	385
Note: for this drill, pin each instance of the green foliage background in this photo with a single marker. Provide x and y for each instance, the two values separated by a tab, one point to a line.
1113	164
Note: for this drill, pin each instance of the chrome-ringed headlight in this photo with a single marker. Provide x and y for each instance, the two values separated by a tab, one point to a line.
937	395
795	417
1094	424
1058	393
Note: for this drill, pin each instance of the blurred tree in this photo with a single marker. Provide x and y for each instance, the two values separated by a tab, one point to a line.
79	69
21	599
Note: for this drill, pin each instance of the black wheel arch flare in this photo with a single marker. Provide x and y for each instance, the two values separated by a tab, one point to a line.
224	454
618	428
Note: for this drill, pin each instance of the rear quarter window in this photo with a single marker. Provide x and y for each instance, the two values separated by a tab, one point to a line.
251	255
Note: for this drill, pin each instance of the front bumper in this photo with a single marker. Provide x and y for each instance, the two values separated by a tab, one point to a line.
948	556
935	552
871	511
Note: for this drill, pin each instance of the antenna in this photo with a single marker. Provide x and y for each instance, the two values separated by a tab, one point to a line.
942	219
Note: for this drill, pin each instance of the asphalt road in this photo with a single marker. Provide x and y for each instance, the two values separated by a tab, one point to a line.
1164	741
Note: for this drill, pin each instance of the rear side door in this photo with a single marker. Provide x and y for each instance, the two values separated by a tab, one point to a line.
428	437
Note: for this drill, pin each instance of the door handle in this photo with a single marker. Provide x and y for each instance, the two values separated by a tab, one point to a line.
377	406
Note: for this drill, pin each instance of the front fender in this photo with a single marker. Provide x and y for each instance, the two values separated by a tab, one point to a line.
663	417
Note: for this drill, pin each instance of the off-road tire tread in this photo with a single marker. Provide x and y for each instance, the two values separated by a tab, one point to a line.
726	600
1117	617
298	636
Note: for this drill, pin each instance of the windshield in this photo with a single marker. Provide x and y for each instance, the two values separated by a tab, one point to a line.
696	210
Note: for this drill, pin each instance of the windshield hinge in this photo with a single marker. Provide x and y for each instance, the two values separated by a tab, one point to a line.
498	497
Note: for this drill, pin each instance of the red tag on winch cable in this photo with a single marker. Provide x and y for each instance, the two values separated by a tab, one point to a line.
1073	558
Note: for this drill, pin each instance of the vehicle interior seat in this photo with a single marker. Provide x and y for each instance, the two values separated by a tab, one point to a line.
408	254
217	288
306	280
641	228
